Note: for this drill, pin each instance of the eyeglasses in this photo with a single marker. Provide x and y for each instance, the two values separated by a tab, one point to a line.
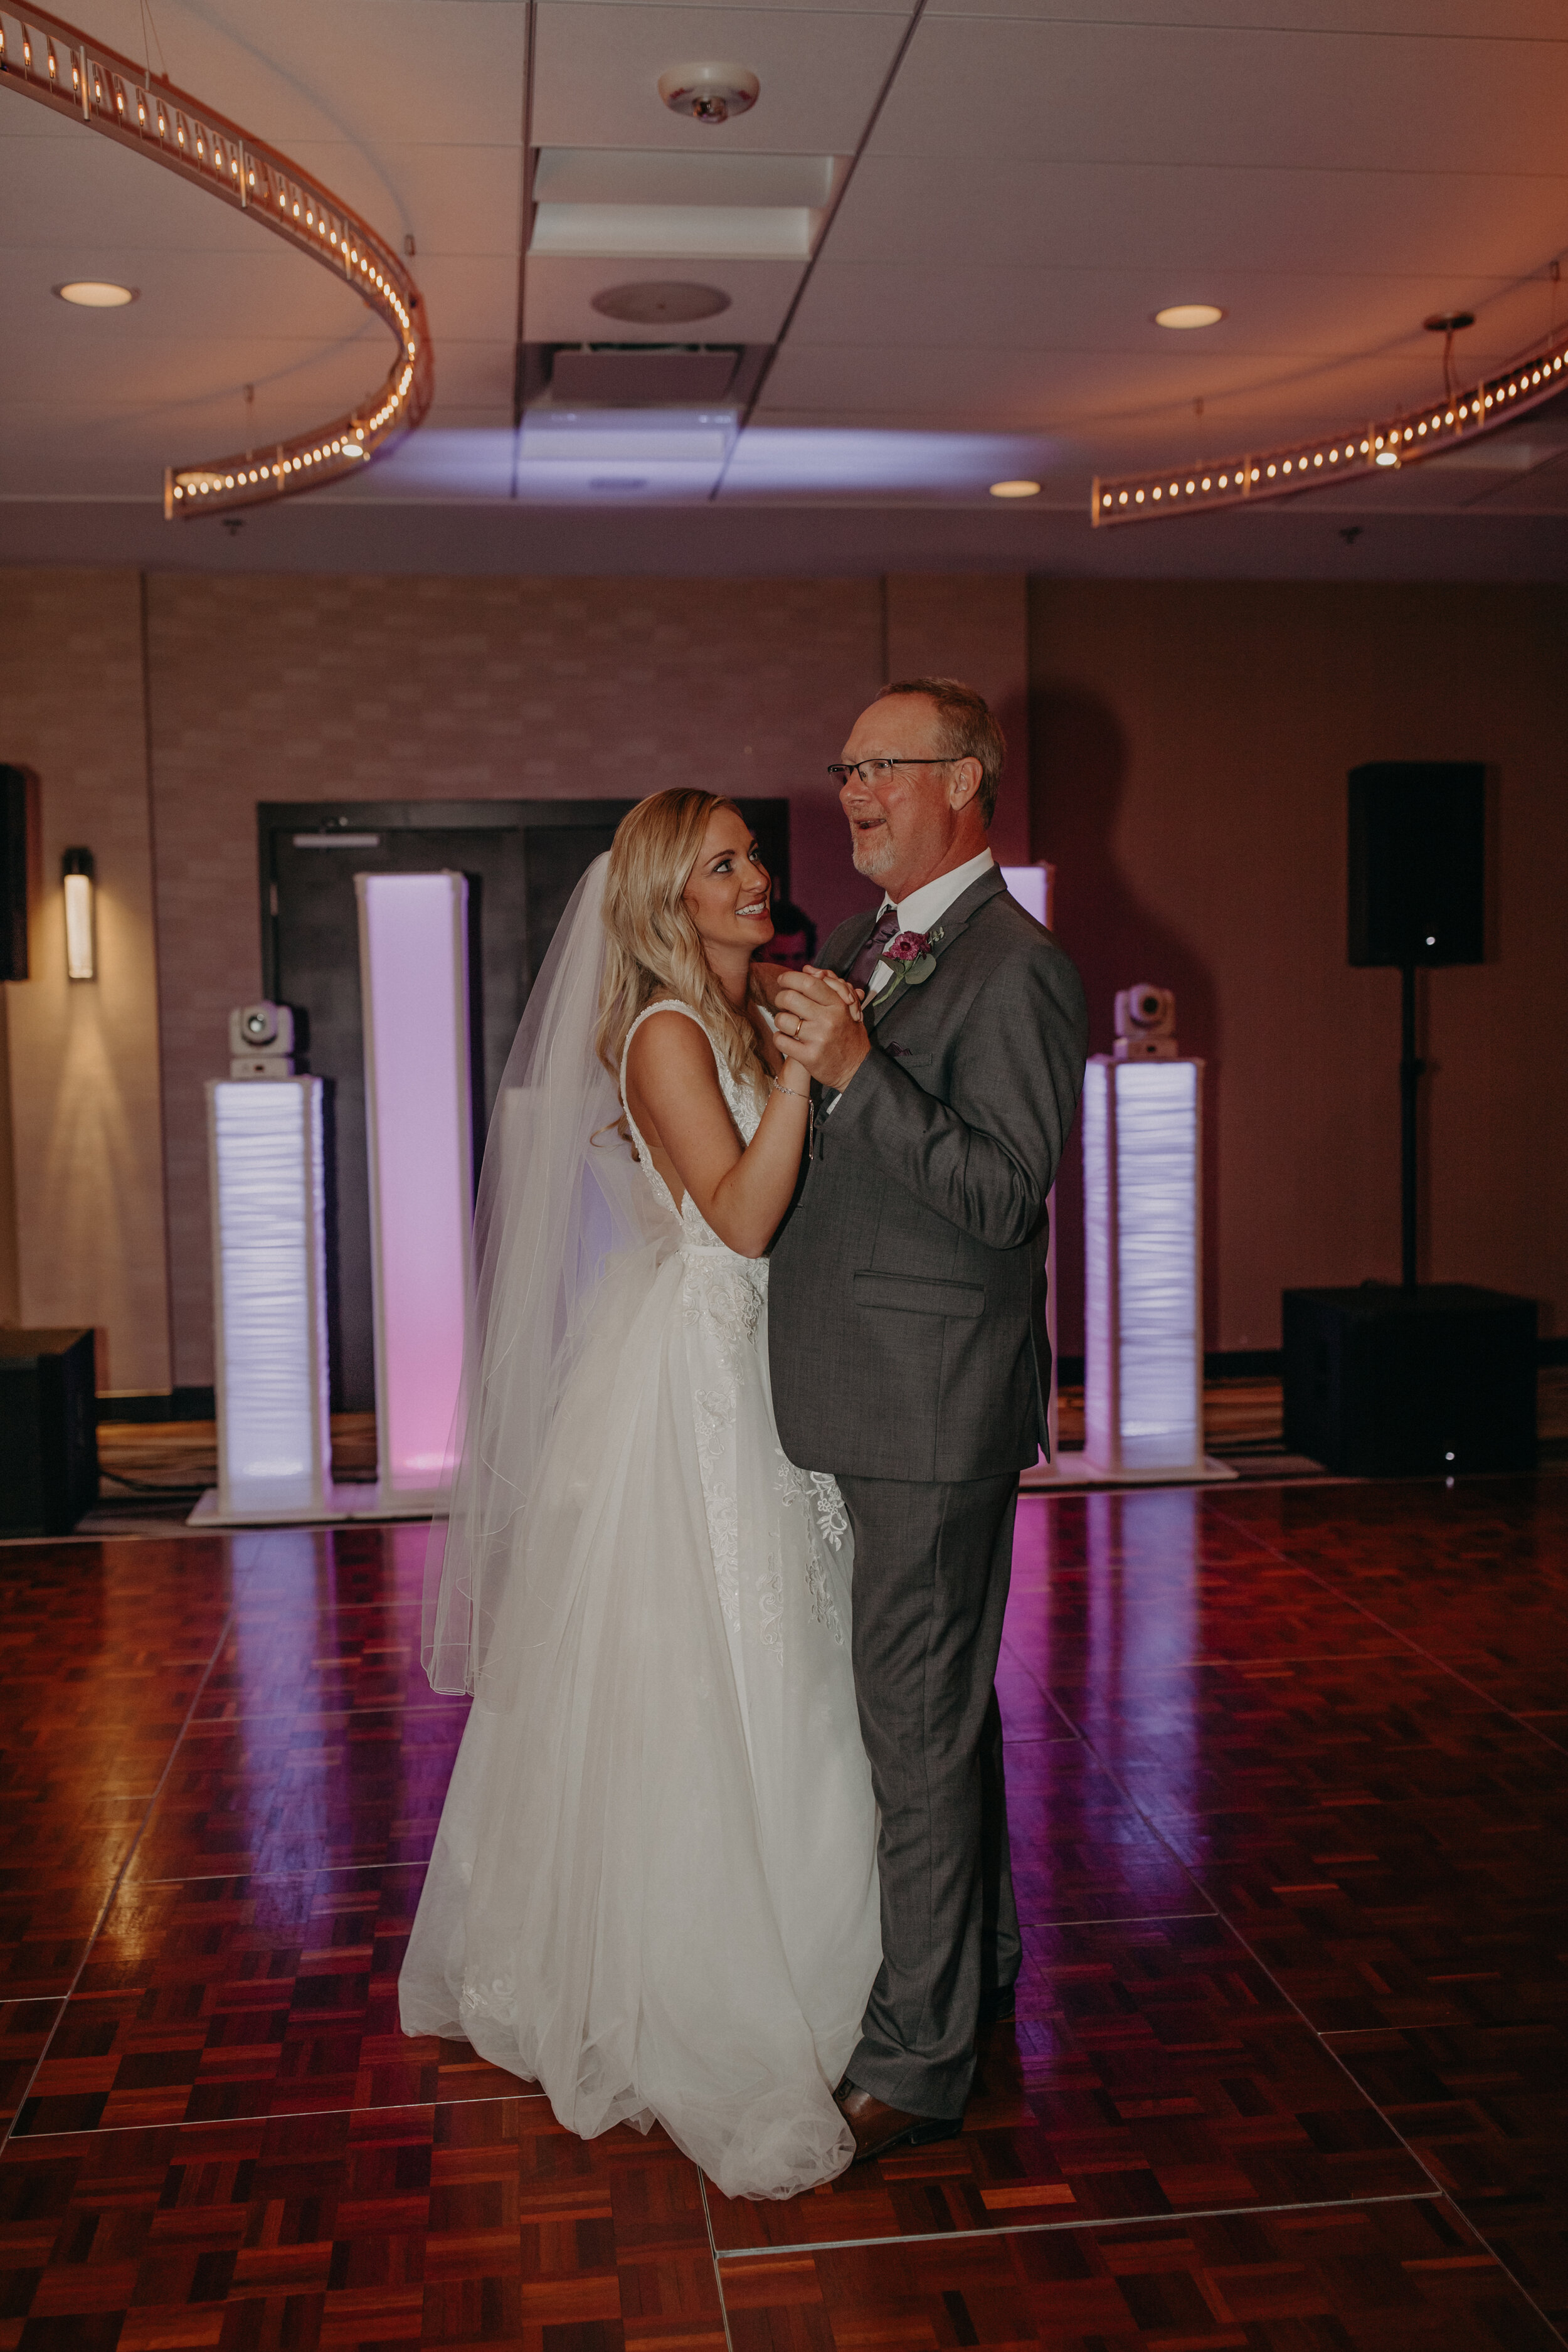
876	772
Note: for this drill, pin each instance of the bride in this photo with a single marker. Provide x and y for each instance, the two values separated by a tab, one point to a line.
653	1890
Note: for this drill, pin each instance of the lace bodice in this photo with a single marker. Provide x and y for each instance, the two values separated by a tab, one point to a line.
744	1108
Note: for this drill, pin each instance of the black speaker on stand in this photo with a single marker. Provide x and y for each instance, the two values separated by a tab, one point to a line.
1382	1380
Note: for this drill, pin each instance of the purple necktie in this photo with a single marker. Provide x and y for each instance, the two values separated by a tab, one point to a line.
870	955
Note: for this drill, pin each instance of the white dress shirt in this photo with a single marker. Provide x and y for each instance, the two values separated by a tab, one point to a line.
927	906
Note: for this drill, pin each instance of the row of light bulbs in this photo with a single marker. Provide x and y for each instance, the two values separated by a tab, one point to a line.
1271	475
200	482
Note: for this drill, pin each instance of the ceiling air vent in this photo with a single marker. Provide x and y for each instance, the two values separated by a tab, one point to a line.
642	375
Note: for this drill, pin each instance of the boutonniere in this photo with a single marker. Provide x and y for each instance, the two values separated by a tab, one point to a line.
910	952
910	958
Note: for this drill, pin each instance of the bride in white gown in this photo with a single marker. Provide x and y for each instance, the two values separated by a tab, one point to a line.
653	1890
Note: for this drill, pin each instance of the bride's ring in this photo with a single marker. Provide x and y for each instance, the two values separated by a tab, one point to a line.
799	1024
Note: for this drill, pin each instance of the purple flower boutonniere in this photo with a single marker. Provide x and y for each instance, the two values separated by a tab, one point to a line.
909	955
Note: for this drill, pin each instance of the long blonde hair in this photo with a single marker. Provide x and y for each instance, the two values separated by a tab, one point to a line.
652	947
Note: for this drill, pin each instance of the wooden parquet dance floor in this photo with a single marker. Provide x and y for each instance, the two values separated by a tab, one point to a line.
1289	1773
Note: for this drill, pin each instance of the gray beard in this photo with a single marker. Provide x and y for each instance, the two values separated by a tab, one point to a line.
872	862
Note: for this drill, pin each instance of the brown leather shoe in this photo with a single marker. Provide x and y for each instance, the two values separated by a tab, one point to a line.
878	2128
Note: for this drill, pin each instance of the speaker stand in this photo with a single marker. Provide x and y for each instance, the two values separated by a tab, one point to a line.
1411	1071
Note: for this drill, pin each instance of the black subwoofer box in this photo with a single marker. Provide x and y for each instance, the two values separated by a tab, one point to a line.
49	1430
1382	1382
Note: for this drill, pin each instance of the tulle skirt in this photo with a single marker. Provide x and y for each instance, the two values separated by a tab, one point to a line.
654	1888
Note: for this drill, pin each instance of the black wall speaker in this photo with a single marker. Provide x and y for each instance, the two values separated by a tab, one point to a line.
14	783
1418	862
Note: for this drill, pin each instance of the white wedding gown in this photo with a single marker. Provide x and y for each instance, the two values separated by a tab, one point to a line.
654	1889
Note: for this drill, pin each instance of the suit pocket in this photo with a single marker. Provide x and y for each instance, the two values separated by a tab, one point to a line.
916	1294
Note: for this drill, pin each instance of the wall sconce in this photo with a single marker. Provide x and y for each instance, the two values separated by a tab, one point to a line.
81	962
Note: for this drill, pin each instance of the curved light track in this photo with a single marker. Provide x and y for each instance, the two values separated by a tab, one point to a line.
43	57
1285	472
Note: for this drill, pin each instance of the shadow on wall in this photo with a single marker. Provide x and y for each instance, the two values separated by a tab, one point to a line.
1078	773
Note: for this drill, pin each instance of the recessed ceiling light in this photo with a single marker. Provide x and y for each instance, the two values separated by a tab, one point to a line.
1189	314
1015	490
93	294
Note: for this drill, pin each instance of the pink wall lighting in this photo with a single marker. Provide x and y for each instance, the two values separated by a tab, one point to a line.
414	982
1034	887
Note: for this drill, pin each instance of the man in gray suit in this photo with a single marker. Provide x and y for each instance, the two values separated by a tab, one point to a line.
906	1315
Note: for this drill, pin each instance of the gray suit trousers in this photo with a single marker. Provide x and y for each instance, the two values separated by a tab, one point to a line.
931	1570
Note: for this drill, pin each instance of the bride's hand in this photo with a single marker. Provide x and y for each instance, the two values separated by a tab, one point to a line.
820	1026
851	996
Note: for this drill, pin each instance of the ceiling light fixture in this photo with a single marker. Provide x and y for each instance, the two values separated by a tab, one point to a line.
96	294
84	82
1400	440
710	93
1189	314
1015	490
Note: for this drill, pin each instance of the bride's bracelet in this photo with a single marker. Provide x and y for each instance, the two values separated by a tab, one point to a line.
779	1088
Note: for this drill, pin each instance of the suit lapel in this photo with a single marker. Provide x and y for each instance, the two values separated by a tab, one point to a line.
942	935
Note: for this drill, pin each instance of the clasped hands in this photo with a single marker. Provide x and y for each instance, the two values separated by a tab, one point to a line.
818	1024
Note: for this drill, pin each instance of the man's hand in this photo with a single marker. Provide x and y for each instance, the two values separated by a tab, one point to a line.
819	1026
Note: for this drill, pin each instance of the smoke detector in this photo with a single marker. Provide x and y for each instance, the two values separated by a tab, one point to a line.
710	93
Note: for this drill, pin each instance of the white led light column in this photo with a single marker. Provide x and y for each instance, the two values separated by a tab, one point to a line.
1143	1345
414	986
1035	888
269	1256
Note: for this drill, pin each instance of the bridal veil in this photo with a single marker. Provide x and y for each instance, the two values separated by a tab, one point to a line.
559	1194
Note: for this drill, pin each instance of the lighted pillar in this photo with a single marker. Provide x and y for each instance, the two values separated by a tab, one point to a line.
414	986
1143	1342
1035	888
270	1258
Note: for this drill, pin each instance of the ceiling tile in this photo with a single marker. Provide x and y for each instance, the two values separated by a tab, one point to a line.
1292	316
474	375
1104	93
1475	20
452	198
470	296
181	296
1183	221
372	72
1103	399
559	293
597	70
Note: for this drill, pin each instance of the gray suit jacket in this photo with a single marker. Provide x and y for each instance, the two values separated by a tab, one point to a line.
907	1299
